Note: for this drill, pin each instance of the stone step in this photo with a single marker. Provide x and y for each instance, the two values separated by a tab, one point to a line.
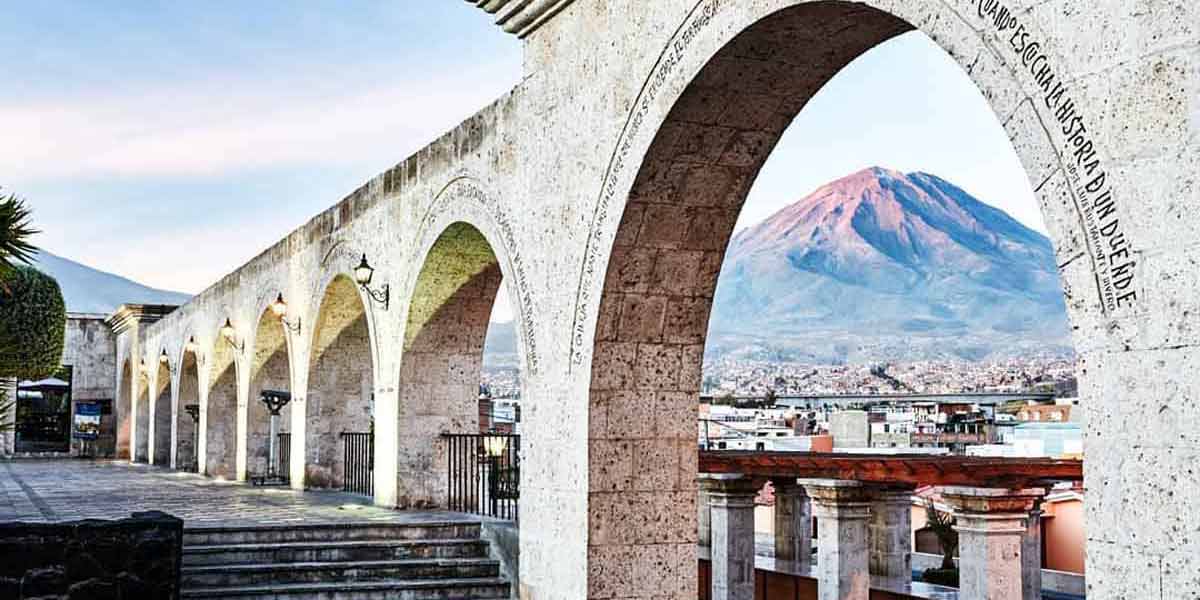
354	550
214	576
443	589
276	534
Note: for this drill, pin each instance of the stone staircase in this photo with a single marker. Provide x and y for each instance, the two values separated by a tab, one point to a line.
420	561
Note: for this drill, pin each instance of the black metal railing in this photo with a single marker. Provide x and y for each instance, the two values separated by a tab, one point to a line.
484	474
283	467
359	463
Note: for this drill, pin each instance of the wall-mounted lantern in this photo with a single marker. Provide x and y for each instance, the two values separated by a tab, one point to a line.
165	361
363	274
229	334
280	309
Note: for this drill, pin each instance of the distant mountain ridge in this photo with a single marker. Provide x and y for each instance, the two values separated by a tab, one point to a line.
883	265
88	290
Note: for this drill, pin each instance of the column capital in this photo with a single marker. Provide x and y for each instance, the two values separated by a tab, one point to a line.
724	489
835	491
838	498
992	500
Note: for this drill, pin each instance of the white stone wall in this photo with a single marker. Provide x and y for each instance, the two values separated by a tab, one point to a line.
90	349
584	156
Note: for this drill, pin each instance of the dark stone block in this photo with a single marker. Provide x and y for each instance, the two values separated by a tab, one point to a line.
94	589
10	587
135	559
44	582
82	566
132	587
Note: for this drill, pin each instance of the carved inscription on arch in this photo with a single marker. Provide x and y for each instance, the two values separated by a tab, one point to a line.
698	20
466	188
1112	257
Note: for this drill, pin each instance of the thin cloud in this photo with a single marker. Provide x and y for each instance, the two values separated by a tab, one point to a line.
216	129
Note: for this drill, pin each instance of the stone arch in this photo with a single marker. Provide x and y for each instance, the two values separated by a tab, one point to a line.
720	98
162	410
140	438
220	424
340	382
442	357
123	410
269	362
186	428
466	250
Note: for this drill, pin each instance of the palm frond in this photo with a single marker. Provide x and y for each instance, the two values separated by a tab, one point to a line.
15	231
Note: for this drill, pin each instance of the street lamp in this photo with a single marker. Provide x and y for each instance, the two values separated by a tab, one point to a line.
363	274
280	308
494	446
193	411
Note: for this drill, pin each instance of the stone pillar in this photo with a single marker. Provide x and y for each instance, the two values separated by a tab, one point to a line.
1031	555
890	535
703	513
793	522
842	509
9	415
992	527
732	554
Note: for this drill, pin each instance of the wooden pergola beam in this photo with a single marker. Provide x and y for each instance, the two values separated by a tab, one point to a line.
895	469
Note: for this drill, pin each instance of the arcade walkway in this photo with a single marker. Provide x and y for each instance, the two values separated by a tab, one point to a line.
66	490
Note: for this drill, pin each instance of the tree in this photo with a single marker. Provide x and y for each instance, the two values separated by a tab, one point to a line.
33	322
15	231
942	525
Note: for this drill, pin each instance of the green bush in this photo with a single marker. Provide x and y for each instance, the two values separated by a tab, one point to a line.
33	321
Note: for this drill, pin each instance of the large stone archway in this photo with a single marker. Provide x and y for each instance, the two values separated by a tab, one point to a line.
123	407
187	427
685	191
443	357
140	437
340	397
220	429
161	413
270	369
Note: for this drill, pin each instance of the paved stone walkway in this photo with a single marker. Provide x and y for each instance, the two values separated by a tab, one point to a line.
67	490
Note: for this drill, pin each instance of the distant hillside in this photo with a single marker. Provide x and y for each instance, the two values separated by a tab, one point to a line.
882	265
88	290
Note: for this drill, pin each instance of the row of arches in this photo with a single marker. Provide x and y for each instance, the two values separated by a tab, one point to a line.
332	384
628	437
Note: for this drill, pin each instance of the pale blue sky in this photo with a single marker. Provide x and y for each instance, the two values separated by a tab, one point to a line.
171	143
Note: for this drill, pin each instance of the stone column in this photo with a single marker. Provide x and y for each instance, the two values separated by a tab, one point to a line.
992	527
842	509
890	535
703	513
1031	555
732	554
793	522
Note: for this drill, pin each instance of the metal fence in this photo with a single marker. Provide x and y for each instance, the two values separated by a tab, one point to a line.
484	474
359	463
283	468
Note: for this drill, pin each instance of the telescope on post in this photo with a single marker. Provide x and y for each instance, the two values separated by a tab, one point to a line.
274	401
